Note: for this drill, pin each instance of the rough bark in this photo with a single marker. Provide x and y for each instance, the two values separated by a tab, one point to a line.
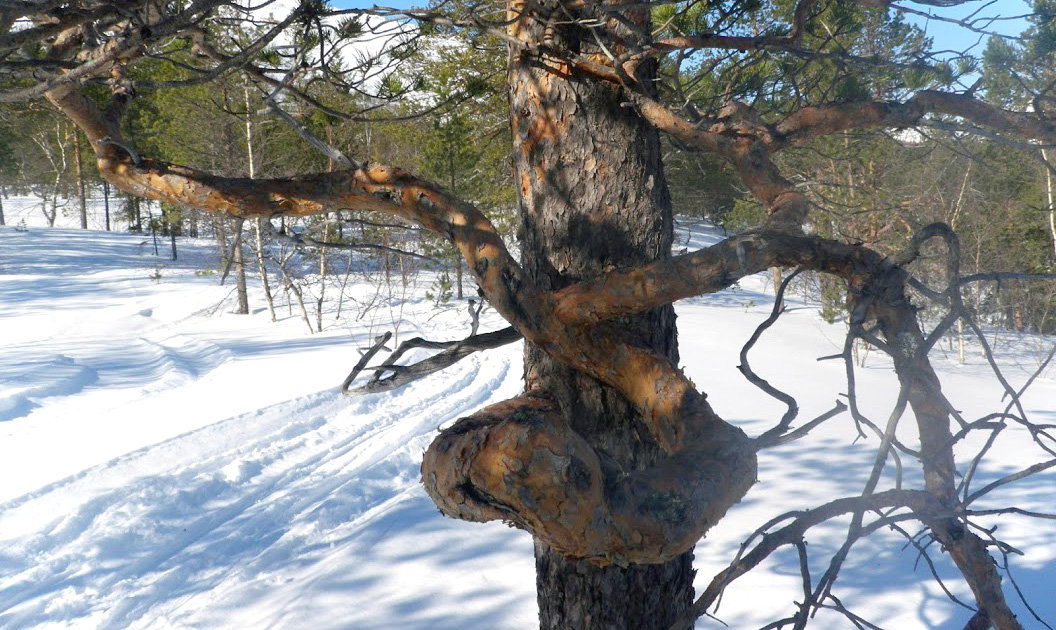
898	324
590	597
82	201
592	198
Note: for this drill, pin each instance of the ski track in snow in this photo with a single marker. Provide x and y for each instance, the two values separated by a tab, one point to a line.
244	504
169	466
205	510
78	363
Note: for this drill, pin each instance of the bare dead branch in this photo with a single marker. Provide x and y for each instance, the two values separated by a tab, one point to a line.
968	24
859	622
828	579
1006	566
453	352
289	235
804	570
379	343
922	554
1007	479
920	502
1012	510
791	436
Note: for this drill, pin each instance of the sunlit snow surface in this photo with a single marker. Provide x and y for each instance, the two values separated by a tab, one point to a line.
167	464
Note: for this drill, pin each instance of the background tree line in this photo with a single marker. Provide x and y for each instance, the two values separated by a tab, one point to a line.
872	187
454	130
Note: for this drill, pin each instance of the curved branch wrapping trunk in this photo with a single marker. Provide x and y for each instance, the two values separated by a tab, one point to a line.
616	386
593	198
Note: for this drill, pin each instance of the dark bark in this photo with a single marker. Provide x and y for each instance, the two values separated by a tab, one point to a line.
106	203
582	595
592	198
81	196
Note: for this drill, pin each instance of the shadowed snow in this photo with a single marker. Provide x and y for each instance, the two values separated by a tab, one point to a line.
166	464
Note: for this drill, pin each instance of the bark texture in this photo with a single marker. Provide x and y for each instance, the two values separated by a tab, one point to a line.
589	596
593	199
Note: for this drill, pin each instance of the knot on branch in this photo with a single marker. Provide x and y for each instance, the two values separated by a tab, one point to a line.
740	119
520	462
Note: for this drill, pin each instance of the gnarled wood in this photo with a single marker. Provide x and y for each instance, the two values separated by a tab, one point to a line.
625	292
520	461
593	198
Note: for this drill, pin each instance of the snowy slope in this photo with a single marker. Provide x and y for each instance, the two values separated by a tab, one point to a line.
166	464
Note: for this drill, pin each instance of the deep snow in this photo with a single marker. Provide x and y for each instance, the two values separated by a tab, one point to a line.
167	464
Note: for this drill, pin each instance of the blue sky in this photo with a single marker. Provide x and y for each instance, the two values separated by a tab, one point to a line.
951	36
946	35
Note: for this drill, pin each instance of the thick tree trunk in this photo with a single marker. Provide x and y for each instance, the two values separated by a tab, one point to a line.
592	197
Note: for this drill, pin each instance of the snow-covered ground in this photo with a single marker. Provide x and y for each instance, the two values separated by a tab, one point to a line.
167	464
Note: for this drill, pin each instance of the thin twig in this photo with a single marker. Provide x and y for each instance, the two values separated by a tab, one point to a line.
761	383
